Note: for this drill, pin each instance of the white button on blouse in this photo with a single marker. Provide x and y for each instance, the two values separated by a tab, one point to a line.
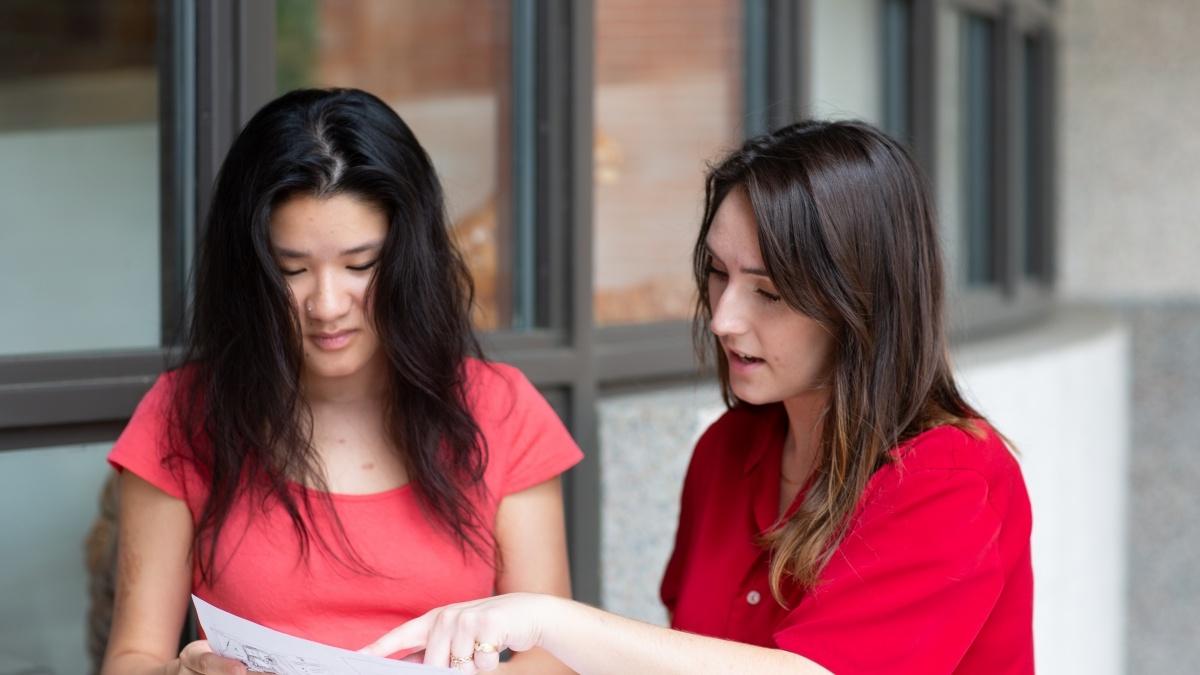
753	597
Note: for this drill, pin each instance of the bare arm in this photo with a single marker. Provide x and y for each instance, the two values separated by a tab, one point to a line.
597	642
154	576
531	534
590	641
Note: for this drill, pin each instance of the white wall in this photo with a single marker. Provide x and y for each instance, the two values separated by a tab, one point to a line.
1060	394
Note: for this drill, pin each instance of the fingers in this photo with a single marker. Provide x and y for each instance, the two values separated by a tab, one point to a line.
407	637
470	637
437	644
198	657
462	643
487	651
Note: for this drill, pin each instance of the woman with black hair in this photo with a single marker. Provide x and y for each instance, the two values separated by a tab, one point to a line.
850	512
333	456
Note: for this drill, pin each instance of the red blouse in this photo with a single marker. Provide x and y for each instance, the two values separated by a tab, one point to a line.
933	576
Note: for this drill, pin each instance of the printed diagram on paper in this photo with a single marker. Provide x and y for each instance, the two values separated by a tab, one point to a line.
268	651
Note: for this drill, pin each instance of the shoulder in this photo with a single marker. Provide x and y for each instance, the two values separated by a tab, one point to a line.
949	458
156	403
504	402
979	449
170	415
487	375
174	382
149	445
526	441
494	388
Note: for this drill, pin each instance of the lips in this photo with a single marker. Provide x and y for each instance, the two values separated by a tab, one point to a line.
332	341
741	358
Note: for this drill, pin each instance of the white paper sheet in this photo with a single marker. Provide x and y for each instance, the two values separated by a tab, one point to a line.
265	650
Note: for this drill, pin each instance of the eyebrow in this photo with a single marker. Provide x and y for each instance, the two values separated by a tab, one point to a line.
756	271
361	248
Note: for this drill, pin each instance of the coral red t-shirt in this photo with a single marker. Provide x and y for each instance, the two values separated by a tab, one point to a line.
933	576
262	576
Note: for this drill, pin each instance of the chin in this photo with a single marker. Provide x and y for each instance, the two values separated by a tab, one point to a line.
754	397
334	370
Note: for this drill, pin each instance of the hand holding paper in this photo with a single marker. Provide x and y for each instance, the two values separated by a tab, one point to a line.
264	650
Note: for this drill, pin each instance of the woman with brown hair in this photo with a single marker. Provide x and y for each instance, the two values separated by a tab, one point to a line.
850	512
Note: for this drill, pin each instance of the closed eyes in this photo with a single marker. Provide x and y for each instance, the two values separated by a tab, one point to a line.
357	268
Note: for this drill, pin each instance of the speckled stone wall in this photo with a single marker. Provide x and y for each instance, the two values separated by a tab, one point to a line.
647	440
1130	239
1164	552
1130	145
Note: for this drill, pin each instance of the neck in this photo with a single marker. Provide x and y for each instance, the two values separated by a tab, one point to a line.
368	386
806	415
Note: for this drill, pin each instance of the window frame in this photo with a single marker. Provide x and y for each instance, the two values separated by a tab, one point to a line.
83	397
1015	301
217	66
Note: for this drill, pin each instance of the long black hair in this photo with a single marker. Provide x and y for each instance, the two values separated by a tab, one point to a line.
239	414
848	234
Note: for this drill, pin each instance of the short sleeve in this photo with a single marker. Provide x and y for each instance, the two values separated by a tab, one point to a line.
142	446
527	439
911	585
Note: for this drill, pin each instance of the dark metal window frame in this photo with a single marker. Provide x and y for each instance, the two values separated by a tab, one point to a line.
216	68
216	64
1016	300
81	397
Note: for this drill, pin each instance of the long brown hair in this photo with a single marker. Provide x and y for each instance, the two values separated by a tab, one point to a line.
848	235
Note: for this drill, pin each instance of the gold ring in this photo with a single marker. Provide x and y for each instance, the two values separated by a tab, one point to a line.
486	648
459	661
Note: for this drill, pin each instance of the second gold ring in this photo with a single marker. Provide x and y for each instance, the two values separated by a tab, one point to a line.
486	648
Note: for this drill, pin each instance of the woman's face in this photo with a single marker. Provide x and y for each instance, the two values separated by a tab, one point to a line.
774	352
327	250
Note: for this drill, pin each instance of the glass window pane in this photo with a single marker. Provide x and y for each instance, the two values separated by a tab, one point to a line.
79	186
847	73
444	67
44	580
897	68
1033	154
668	99
978	103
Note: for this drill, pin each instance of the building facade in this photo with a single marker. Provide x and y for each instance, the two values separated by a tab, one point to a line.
572	138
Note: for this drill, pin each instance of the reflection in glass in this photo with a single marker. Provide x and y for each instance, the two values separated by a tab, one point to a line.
79	153
1034	174
44	581
668	99
847	71
897	68
444	67
978	151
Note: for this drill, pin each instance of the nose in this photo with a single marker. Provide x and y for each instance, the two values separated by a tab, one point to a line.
328	300
728	315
